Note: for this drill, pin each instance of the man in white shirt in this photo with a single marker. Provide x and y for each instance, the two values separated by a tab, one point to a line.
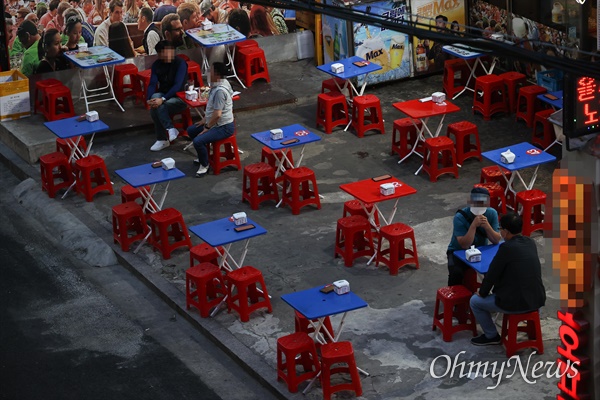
151	32
115	15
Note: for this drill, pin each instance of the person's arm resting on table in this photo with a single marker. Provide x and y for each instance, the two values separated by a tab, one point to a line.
497	267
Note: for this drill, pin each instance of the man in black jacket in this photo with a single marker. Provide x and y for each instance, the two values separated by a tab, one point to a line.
515	274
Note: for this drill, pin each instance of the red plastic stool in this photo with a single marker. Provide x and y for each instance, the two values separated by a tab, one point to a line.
271	157
466	139
489	97
513	81
332	110
528	104
144	79
399	255
129	193
337	353
455	300
55	166
456	73
296	191
40	90
368	103
329	85
494	174
353	239
128	217
259	178
544	137
204	287
194	73
246	300
205	253
533	203
183	122
58	103
302	324
404	137
91	170
497	197
243	45
122	89
433	148
510	329
354	207
298	349
254	65
165	224
63	146
224	153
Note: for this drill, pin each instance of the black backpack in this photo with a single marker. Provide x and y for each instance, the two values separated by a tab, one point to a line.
480	230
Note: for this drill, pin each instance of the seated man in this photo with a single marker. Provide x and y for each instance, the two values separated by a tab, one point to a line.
515	274
217	123
151	32
169	74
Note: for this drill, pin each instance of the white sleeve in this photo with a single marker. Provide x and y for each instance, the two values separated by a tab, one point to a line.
152	39
101	35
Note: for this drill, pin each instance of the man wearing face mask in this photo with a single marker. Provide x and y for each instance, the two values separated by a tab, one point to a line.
473	225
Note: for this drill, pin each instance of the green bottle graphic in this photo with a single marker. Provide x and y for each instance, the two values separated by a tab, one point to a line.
336	44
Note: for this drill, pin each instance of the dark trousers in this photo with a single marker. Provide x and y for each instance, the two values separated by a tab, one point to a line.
456	270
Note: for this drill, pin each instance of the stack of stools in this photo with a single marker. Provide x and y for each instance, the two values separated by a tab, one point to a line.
271	157
399	255
297	191
533	203
353	239
246	298
329	85
513	81
494	174
528	103
253	65
339	353
62	145
455	300
129	193
259	184
298	349
497	197
55	166
452	85
243	45
144	79
434	147
58	103
490	96
165	224
302	324
510	329
205	253
332	110
122	89
204	288
543	137
404	137
128	217
194	73
466	139
371	105
40	90
224	153
91	176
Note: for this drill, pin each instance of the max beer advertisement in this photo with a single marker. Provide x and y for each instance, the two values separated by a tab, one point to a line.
335	37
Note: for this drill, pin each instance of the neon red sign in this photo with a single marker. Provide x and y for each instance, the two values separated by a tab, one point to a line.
581	106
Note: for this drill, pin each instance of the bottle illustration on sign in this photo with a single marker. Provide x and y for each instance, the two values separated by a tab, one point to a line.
373	49
396	50
421	58
336	44
558	13
328	41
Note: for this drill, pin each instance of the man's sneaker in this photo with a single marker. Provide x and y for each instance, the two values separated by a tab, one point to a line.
159	145
196	161
173	133
202	171
482	340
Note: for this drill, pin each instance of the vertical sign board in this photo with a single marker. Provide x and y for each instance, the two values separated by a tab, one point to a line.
581	106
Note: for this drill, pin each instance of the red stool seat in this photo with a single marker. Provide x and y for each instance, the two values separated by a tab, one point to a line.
273	157
205	253
370	105
404	136
298	349
204	287
435	165
353	239
259	184
126	218
339	353
467	140
194	73
55	166
497	197
63	146
297	191
455	300
302	324
332	110
40	90
254	65
528	103
182	121
544	137
122	89
165	224
533	206
91	176
246	298
129	193
58	103
224	153
399	255
489	97
354	207
243	45
513	81
510	329
329	85
494	174
144	79
456	74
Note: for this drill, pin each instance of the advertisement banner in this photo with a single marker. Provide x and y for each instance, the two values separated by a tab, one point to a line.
335	36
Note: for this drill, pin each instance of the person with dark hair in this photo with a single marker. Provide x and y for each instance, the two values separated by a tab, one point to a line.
455	28
166	8
151	32
17	49
213	14
29	37
261	24
52	10
119	41
72	33
515	275
169	74
40	10
436	52
239	20
58	22
172	29
473	225
189	15
115	14
50	53
217	123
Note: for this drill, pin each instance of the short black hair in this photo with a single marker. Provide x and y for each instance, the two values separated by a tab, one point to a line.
220	69
442	17
512	222
147	13
164	44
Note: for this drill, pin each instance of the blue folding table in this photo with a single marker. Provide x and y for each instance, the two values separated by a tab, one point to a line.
71	131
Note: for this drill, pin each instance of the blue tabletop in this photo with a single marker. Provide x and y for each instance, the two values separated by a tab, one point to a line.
463	51
350	70
220	34
488	253
557	104
221	232
143	175
295	131
522	158
70	127
313	304
93	57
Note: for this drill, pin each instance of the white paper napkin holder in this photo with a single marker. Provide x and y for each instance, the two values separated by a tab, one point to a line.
191	95
240	218
473	254
206	25
91	116
507	157
337	68
276	134
168	163
387	189
341	286
438	97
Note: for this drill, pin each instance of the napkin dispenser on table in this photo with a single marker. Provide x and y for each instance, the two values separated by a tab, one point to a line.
497	36
438	97
473	254
507	157
168	163
191	95
341	286
337	68
206	25
91	116
387	189
240	218
276	134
